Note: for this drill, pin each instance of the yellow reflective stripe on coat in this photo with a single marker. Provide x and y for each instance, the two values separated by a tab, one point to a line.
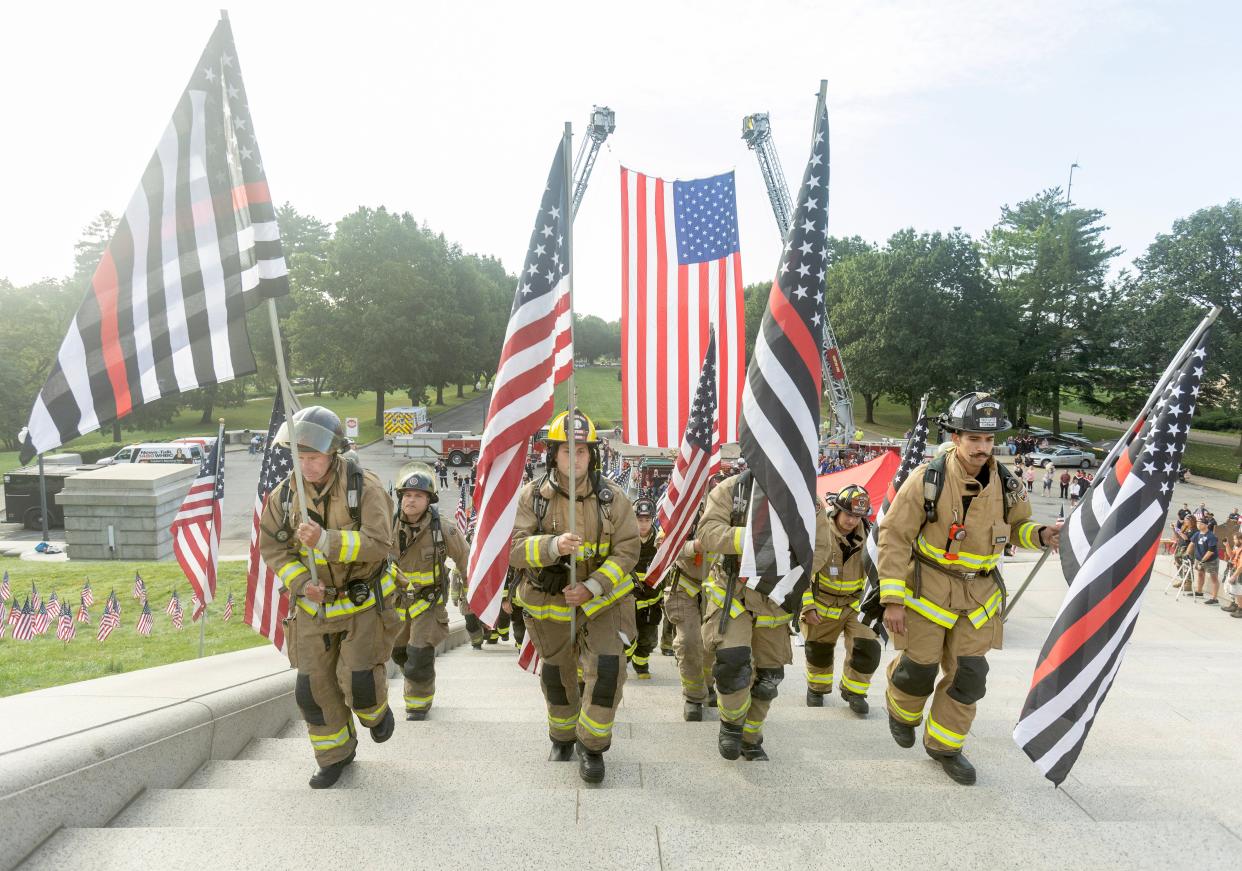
532	549
892	587
414	610
713	591
611	569
1028	534
947	737
689	587
971	562
344	607
306	552
739	538
763	621
986	611
328	742
593	606
420	579
908	716
646	603
351	546
290	572
551	611
843	587
932	611
599	730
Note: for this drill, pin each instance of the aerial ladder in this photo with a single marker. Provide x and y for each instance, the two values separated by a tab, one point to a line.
757	134
603	122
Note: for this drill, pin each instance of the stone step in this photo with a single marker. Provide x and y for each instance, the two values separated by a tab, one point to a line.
645	846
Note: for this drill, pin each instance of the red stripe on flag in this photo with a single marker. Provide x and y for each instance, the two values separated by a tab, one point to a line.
246	195
661	349
795	330
1124	466
640	206
1076	635
105	286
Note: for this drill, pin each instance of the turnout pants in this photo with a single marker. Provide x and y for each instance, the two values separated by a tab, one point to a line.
862	652
949	630
752	644
341	666
598	651
694	660
648	623
415	651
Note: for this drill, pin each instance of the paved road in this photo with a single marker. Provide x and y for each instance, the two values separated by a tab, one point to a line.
469	416
1202	436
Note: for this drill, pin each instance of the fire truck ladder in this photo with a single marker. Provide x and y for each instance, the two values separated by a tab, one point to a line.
757	134
603	122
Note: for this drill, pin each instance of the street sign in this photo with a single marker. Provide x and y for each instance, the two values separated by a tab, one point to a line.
351	427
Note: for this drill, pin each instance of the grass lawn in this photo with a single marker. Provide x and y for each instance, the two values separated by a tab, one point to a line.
599	394
1210	461
46	662
254	415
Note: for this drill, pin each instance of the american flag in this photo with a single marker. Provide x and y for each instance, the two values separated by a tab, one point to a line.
536	340
66	629
463	518
266	602
197	246
196	528
14	612
35	599
174	604
144	619
1107	549
780	404
178	618
23	628
228	609
42	620
680	503
528	657
84	616
88	595
140	588
4	587
116	603
681	278
871	613
110	619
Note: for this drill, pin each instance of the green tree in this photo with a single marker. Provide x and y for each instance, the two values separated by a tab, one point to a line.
591	338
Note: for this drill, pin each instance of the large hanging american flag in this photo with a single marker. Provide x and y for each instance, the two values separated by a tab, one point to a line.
780	405
537	342
697	461
197	246
266	602
871	613
681	276
1107	549
196	528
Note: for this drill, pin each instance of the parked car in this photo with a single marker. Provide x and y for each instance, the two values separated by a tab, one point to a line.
1063	457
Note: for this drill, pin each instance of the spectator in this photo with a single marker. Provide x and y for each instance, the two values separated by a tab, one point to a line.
1206	550
1074	491
1065	483
1200	511
1029	477
1235	575
1181	542
1048	475
1183	511
1080	426
1009	443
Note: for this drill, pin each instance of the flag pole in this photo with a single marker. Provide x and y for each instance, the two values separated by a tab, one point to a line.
571	388
287	391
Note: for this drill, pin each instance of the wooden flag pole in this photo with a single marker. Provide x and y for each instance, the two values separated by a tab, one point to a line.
571	418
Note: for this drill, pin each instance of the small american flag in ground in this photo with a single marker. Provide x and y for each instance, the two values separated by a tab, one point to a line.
681	280
116	603
15	611
42	620
23	628
680	504
108	621
84	616
174	604
165	311
4	587
463	519
228	609
1107	550
35	599
779	432
66	629
140	588
144	619
196	529
53	602
178	618
266	602
528	657
88	595
870	612
537	354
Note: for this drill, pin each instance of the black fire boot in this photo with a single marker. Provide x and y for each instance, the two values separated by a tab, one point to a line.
858	704
711	697
754	752
590	765
330	774
814	699
417	715
383	731
955	765
562	751
903	733
730	740
693	712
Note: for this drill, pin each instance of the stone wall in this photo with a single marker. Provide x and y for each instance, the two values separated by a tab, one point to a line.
138	500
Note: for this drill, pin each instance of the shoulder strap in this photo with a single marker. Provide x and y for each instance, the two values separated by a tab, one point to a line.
353	495
540	505
741	496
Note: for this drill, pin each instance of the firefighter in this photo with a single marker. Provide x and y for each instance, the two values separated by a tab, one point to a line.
421	543
341	627
753	649
604	542
646	599
940	547
830	607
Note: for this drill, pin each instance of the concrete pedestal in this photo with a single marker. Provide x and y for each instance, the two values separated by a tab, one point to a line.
138	500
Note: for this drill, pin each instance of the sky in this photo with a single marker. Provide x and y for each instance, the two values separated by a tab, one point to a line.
940	112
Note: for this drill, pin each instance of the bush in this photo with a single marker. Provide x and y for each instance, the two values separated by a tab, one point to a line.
1218	420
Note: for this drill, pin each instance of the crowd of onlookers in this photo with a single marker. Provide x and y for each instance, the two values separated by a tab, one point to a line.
1214	553
840	459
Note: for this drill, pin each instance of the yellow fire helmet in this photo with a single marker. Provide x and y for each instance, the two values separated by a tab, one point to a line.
584	429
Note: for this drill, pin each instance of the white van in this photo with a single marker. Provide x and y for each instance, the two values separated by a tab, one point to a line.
167	452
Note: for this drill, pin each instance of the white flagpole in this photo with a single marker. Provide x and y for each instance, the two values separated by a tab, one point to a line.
571	418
